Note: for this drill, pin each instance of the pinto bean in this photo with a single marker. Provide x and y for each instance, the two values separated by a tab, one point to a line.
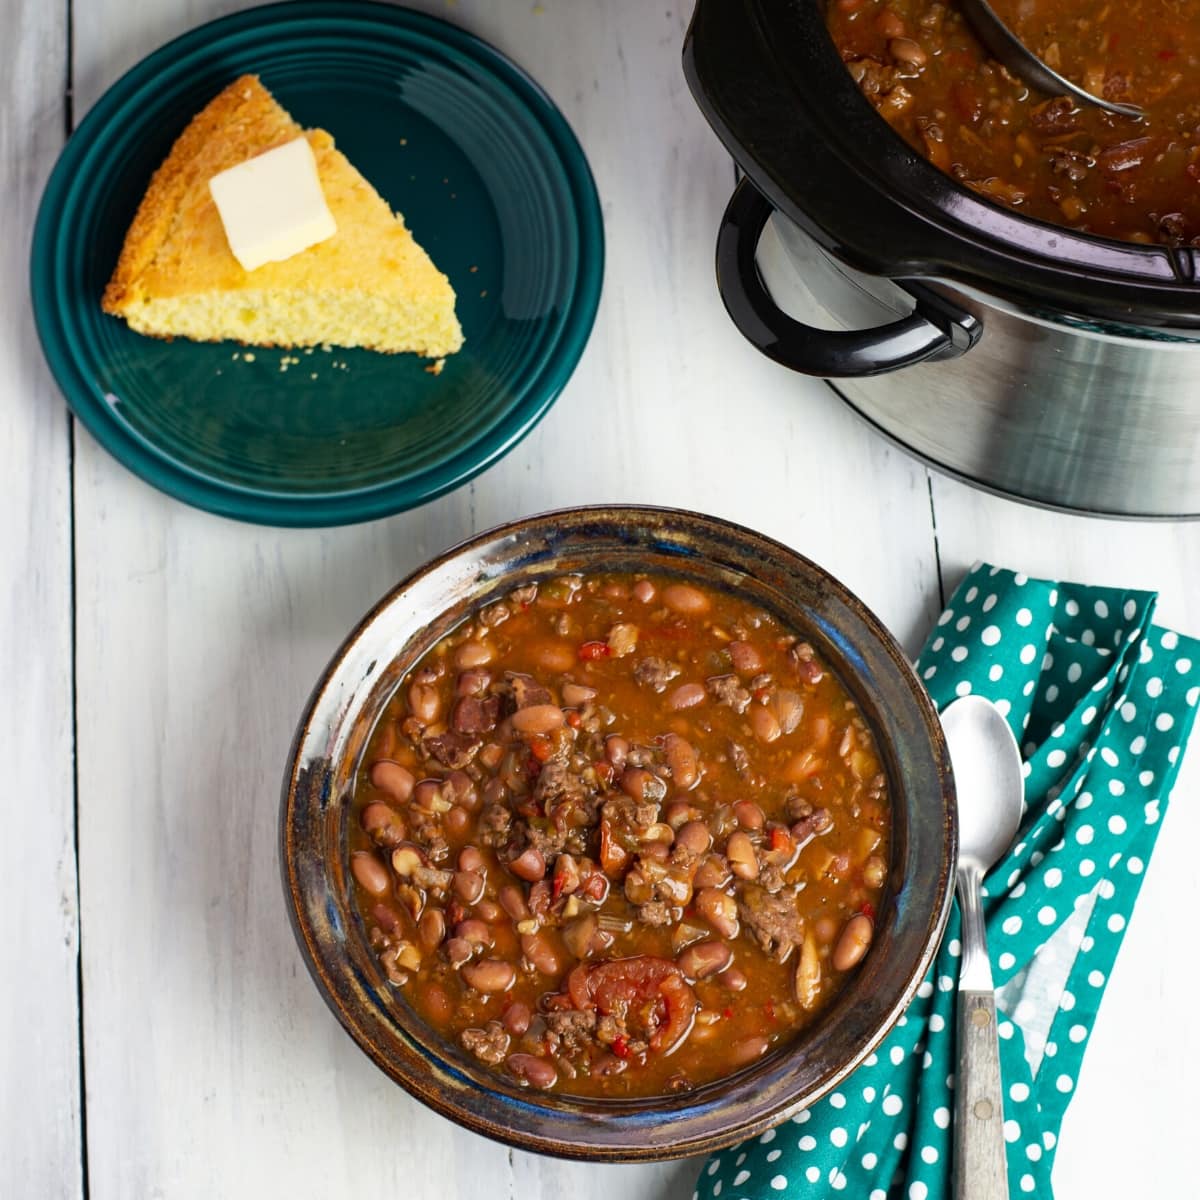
384	825
685	600
488	910
468	886
713	872
538	718
537	1072
702	959
473	654
749	815
437	1002
407	858
733	979
681	761
743	861
694	837
644	591
457	821
719	910
540	951
431	928
371	874
424	702
852	945
907	51
641	784
512	900
427	796
789	708
616	748
747	1050
470	859
459	788
474	932
553	655
575	695
516	1018
764	723
530	866
746	659
489	975
458	951
392	778
687	695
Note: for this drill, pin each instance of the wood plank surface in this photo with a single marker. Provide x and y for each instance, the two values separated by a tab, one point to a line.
40	1102
213	1067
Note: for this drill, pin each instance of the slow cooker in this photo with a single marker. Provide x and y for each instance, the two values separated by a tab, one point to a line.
1036	361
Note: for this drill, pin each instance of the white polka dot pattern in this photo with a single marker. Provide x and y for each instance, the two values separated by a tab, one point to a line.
1102	731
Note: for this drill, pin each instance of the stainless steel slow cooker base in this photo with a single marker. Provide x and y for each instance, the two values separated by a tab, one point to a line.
1061	413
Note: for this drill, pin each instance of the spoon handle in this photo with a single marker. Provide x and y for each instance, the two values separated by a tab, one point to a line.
980	1167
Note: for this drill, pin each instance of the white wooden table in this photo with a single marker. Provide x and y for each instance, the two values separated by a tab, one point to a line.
159	1036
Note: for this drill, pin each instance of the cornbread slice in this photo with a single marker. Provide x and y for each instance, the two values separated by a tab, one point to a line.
368	285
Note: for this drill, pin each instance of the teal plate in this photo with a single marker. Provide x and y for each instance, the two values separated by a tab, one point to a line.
490	179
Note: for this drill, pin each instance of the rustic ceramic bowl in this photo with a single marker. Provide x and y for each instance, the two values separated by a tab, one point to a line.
350	696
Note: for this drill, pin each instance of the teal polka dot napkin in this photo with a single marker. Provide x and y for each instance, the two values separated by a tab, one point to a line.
1101	701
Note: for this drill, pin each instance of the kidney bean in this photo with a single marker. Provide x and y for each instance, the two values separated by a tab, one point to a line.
538	718
470	859
392	778
739	850
384	825
681	761
458	951
457	821
745	1051
733	979
749	815
687	695
702	959
575	695
431	928
371	874
536	1072
468	886
719	910
512	900
644	591
764	723
473	654
852	945
488	910
746	659
424	702
540	951
474	932
489	975
516	1018
615	750
686	600
694	837
530	866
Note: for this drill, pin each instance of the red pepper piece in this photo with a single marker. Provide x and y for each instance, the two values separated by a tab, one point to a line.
590	651
620	1047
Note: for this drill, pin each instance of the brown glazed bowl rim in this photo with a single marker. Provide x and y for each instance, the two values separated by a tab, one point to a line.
365	671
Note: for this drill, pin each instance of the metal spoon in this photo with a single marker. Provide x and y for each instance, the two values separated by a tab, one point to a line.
987	777
1007	48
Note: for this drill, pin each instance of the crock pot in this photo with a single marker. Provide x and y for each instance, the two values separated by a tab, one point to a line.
1036	361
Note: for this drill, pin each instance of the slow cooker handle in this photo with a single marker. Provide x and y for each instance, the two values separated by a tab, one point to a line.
934	331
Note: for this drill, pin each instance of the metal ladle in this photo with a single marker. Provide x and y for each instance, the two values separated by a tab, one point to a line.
1008	49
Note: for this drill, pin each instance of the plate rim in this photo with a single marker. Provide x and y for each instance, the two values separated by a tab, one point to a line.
274	507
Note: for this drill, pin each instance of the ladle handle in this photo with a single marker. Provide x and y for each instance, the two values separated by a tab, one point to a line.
980	1168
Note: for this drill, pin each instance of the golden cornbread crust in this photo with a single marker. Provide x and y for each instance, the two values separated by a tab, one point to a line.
369	285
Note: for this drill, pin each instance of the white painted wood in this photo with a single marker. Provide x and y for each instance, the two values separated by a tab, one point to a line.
40	1132
1130	1117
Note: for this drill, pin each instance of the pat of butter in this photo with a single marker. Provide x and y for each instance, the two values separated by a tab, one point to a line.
272	206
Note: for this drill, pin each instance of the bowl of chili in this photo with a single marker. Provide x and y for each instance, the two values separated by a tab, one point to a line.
618	833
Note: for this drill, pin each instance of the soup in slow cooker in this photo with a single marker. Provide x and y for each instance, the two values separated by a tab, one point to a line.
620	835
1052	158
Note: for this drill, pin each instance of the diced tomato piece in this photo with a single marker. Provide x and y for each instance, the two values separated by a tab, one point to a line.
781	839
769	1009
574	719
868	909
620	1047
727	1013
541	748
590	651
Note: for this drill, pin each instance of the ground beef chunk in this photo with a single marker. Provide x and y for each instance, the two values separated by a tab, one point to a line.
475	715
771	878
549	842
526	691
656	913
727	689
495	822
452	749
571	1032
655	673
740	759
489	1044
803	659
772	919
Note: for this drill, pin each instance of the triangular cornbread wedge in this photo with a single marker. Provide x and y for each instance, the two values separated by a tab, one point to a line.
369	285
